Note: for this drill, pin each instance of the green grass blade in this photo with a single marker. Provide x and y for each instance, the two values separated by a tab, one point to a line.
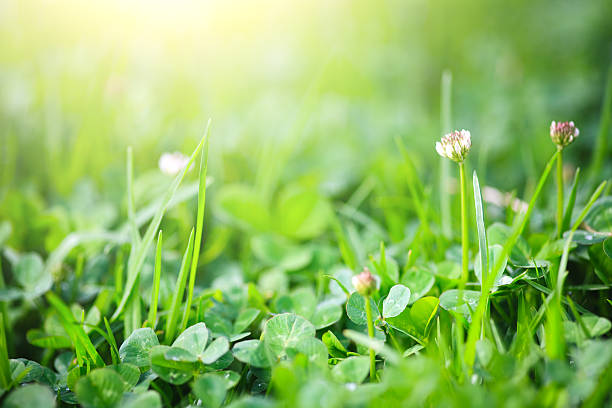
179	290
74	329
135	235
112	342
5	367
480	225
199	225
346	250
600	153
474	330
555	344
571	201
138	256
156	278
445	120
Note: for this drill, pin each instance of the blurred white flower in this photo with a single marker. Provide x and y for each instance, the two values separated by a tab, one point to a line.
455	145
563	133
172	163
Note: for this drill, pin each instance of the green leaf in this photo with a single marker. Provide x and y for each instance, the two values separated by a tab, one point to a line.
31	395
302	213
276	251
499	234
32	276
351	370
136	348
599	217
326	314
210	389
396	301
607	247
215	350
39	338
355	309
587	238
452	301
419	281
193	339
129	374
334	347
313	349
102	387
301	301
172	364
253	352
147	399
286	331
601	262
422	313
242	206
245	318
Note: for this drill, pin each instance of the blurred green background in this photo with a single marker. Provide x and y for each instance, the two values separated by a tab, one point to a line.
308	93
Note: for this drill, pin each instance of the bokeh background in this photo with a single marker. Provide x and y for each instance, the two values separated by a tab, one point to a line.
307	92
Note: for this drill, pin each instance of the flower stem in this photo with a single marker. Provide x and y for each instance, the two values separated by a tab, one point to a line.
464	230
560	193
371	335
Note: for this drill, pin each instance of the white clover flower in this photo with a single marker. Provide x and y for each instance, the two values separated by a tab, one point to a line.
455	145
563	133
365	284
172	163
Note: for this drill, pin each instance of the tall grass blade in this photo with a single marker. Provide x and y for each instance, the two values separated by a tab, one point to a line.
199	225
474	330
555	341
482	233
445	120
137	257
152	317
600	153
135	235
179	290
74	329
571	201
5	366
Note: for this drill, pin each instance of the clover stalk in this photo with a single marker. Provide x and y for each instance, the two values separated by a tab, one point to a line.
365	285
456	146
371	335
560	192
464	228
562	134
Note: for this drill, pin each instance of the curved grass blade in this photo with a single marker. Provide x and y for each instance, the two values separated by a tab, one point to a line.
477	316
199	225
74	329
482	233
156	278
571	201
138	256
179	290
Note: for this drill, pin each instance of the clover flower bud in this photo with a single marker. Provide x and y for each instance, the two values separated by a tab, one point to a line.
455	145
563	133
364	283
